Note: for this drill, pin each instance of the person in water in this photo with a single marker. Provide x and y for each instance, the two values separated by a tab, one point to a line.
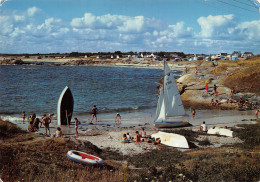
94	113
118	118
23	116
77	122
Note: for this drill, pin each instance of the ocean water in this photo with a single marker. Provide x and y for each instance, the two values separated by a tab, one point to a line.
36	89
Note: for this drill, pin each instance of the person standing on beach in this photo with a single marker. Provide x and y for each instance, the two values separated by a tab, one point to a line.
215	89
118	118
46	122
77	122
206	88
36	124
94	113
23	116
193	113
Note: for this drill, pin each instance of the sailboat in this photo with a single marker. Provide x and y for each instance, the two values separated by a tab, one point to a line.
169	104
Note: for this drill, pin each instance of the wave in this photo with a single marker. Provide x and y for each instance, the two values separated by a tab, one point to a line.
118	110
12	119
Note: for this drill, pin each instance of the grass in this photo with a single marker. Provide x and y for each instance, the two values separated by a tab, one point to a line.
30	157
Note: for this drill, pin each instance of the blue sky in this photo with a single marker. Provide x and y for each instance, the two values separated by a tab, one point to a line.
189	26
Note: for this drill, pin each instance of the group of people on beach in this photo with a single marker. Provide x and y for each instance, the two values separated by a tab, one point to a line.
35	123
139	137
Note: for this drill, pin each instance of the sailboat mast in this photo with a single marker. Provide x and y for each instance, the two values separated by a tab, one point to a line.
163	87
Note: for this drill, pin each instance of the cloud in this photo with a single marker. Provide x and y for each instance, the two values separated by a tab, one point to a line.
23	32
216	26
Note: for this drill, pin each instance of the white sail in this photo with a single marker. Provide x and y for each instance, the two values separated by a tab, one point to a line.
169	103
160	112
172	98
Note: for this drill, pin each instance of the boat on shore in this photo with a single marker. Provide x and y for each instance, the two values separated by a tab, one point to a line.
65	107
84	158
169	103
171	139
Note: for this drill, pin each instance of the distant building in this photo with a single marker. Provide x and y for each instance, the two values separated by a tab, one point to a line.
247	54
236	53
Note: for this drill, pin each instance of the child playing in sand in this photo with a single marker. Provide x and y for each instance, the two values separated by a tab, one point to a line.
58	132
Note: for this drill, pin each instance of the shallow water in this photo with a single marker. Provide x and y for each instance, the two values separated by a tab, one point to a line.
128	90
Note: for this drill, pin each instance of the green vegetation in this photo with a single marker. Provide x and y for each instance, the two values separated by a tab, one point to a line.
30	157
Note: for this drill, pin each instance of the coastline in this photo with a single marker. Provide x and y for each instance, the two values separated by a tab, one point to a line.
235	154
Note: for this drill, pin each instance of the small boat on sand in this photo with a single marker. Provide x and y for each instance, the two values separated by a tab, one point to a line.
65	107
172	139
84	158
221	131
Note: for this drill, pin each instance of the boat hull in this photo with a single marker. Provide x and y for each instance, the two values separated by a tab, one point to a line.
171	124
221	131
84	158
171	139
65	107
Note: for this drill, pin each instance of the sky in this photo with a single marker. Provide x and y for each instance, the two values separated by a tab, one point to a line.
189	26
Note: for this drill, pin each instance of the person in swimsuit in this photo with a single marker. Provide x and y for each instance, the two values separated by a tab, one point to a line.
23	116
46	122
94	113
36	124
118	118
77	122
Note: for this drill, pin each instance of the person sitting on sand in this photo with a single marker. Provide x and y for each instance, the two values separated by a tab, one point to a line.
212	102
129	138
137	137
230	100
36	124
240	103
124	139
46	123
203	127
58	132
77	122
216	103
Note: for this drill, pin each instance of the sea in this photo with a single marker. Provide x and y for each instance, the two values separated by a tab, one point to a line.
130	91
